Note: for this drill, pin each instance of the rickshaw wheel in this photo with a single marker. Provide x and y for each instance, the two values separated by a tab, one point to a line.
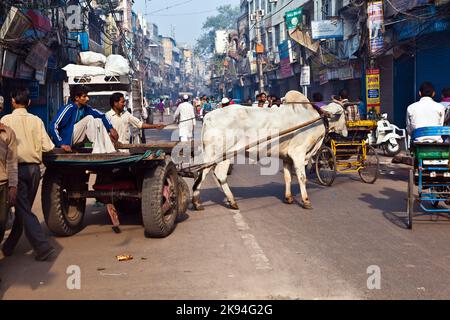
370	171
410	204
326	166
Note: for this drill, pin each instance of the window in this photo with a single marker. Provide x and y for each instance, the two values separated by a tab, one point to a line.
326	9
269	7
277	35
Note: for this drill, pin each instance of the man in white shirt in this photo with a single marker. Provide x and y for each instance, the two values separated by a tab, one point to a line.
425	113
186	114
121	120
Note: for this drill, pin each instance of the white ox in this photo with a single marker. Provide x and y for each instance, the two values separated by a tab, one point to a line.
295	149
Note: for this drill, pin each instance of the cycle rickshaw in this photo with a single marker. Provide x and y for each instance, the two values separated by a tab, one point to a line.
431	174
350	154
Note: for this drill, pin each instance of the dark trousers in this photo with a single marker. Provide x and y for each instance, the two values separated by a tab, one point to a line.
29	178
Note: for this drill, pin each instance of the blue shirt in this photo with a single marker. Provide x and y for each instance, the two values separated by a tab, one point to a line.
61	127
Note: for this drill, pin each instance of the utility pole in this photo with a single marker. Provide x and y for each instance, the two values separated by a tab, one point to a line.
259	51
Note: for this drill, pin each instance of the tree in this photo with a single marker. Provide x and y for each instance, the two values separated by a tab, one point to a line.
226	19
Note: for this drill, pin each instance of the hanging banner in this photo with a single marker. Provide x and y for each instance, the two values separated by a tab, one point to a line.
293	18
24	71
284	50
375	24
9	64
373	90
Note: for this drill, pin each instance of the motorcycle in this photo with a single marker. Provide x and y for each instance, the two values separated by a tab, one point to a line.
387	136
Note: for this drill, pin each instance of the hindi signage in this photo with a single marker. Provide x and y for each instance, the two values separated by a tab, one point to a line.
373	90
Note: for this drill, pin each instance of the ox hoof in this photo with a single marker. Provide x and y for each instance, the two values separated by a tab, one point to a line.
289	200
307	205
233	206
197	205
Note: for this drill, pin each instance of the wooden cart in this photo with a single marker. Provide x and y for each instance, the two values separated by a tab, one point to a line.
144	181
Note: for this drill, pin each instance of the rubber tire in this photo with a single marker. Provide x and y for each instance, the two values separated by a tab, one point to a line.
184	196
377	174
334	173
411	202
152	195
52	205
391	152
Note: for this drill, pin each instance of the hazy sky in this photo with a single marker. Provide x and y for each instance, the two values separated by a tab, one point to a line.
186	16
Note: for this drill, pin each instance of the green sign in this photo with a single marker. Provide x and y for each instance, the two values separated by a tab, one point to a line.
293	18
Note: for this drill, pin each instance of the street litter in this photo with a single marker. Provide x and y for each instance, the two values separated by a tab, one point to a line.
113	274
124	258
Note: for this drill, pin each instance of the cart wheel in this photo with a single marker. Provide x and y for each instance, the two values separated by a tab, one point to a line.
326	166
160	200
371	166
184	196
410	205
63	216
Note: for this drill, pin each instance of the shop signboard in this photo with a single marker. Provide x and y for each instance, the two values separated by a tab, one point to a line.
328	29
293	18
305	78
373	90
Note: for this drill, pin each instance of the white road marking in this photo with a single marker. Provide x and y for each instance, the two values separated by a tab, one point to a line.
256	253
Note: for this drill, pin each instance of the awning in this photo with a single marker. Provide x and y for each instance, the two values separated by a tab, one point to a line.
304	38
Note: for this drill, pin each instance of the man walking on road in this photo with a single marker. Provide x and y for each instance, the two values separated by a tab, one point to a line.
185	113
32	140
8	174
77	121
160	106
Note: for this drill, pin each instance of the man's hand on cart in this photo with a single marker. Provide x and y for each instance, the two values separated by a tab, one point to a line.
113	135
66	148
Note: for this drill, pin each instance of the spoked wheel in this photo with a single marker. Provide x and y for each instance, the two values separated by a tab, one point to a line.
370	171
326	166
410	204
160	200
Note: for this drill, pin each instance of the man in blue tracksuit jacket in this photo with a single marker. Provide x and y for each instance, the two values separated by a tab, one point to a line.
77	121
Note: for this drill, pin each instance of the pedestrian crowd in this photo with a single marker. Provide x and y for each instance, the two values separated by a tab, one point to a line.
24	140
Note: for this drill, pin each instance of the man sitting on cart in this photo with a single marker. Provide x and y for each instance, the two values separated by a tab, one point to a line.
77	121
425	113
